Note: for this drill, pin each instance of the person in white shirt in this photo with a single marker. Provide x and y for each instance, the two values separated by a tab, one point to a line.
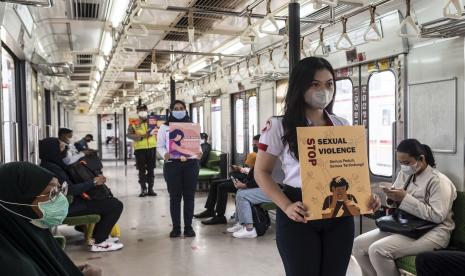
180	174
320	247
72	154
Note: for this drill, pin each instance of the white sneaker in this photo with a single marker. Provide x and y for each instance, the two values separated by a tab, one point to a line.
234	228
244	233
106	246
113	239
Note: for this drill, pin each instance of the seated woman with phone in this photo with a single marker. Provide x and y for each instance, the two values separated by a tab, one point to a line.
421	191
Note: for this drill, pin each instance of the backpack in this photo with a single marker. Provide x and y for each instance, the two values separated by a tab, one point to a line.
261	219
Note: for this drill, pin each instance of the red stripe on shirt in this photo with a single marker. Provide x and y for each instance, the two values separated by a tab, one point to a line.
262	147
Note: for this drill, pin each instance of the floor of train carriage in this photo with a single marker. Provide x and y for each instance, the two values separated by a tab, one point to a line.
145	225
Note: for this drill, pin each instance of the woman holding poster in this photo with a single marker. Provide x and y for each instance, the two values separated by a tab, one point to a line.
317	247
181	165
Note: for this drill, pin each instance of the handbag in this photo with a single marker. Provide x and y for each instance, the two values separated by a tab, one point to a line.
80	172
404	223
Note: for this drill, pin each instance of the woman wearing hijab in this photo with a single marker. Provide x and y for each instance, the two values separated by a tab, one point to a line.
180	174
51	152
32	201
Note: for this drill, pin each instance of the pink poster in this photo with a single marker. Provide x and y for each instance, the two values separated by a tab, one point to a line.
184	140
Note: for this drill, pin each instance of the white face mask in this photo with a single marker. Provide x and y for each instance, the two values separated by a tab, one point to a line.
319	99
409	169
179	114
143	114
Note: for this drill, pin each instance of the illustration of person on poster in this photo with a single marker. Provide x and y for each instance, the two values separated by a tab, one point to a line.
340	203
184	140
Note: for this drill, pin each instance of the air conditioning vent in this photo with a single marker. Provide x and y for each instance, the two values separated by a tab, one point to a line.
82	94
83	59
83	85
85	9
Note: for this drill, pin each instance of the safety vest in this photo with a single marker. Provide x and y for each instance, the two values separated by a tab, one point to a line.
146	143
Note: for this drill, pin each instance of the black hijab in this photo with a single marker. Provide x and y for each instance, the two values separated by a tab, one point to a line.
49	151
24	248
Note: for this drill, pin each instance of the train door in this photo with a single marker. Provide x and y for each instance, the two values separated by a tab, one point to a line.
197	114
216	123
245	122
10	146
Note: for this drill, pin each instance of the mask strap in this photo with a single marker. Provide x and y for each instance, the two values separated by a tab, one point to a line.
11	211
19	204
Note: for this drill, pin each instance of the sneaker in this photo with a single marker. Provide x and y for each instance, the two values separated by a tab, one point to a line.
205	214
235	228
244	233
189	232
112	239
215	220
106	246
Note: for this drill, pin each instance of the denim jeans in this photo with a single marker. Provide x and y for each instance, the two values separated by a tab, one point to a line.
246	197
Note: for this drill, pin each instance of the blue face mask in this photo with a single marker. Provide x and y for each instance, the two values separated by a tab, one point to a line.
53	211
179	114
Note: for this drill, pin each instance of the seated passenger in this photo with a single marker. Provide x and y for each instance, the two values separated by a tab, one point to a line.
66	135
206	149
219	189
248	194
249	159
32	201
442	262
51	151
428	196
82	144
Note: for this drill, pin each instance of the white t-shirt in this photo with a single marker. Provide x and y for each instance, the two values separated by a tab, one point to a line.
271	142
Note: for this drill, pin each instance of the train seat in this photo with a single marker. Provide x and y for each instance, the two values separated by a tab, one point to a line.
216	167
88	220
457	240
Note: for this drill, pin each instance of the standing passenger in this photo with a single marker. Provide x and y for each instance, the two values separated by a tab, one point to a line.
320	247
180	174
145	151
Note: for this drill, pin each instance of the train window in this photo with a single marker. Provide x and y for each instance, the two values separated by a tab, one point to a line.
253	119
194	115
8	106
239	125
281	89
343	99
381	110
216	124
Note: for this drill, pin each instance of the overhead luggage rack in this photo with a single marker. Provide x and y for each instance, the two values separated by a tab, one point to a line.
443	28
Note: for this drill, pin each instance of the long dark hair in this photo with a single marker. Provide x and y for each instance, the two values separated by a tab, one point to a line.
302	77
175	133
415	149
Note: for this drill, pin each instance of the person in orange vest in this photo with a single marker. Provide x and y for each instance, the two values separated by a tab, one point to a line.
145	151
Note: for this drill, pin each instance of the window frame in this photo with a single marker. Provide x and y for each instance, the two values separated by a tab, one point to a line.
368	121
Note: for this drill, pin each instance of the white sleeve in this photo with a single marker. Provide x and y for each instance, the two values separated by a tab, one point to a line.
72	158
161	141
271	137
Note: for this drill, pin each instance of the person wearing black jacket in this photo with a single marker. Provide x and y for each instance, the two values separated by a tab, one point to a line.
248	194
206	149
51	153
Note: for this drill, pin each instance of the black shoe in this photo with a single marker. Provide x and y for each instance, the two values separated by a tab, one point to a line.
176	232
151	193
189	232
143	193
205	214
215	220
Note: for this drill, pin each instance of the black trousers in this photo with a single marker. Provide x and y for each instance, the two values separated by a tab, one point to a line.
442	262
315	248
181	179
146	163
109	210
218	196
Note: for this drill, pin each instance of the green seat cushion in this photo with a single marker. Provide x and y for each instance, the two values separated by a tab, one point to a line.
82	220
458	235
205	173
407	263
61	241
213	161
268	206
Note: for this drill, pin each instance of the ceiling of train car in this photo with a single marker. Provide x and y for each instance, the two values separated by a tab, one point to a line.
113	45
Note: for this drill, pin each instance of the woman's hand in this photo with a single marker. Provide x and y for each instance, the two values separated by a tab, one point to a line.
296	212
374	203
89	270
396	194
99	180
183	158
240	185
167	156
